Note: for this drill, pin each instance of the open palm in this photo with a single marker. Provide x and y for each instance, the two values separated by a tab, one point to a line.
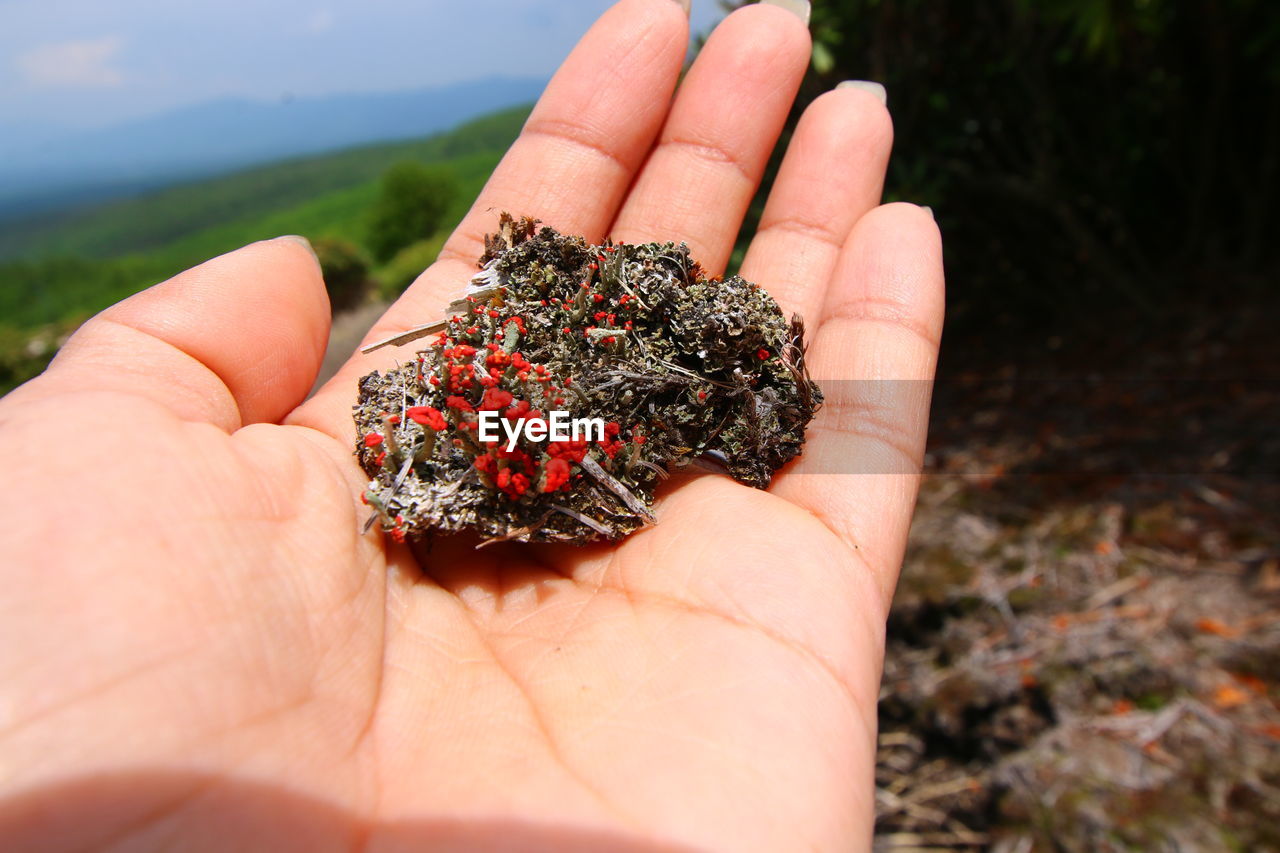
199	648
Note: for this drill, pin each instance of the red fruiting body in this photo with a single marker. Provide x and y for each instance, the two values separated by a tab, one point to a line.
495	399
459	403
557	474
519	484
427	416
373	439
762	354
572	450
512	484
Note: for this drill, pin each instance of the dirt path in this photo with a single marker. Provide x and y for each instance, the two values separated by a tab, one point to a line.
345	335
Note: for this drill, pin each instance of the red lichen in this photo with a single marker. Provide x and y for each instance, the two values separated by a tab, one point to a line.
495	399
427	416
556	474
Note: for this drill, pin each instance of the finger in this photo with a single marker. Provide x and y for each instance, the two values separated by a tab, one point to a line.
234	341
832	174
698	182
570	167
874	356
591	129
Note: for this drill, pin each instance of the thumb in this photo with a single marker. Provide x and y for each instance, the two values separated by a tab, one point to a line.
236	340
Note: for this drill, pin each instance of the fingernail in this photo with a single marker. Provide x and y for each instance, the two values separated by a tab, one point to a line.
687	5
870	86
303	242
799	8
929	210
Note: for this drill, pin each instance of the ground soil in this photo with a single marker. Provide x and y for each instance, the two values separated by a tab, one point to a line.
1085	646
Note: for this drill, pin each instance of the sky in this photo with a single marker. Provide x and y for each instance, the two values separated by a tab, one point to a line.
70	64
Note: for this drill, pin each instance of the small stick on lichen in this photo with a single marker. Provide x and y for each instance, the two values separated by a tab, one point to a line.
592	467
520	534
583	519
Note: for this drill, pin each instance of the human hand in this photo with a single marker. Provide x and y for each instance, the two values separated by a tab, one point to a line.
199	649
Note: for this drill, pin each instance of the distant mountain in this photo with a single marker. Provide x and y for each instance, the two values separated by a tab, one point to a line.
220	136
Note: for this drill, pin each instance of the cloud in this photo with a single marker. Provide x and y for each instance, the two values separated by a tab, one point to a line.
86	64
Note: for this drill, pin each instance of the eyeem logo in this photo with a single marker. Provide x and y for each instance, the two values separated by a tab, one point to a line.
559	427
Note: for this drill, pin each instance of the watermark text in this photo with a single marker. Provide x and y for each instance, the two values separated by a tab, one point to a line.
558	426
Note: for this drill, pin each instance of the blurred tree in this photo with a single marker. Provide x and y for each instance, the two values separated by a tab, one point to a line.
25	352
411	206
1076	152
396	275
346	275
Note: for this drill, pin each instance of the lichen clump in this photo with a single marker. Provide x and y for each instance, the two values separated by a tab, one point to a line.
680	367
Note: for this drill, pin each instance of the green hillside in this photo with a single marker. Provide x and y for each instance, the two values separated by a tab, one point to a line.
159	218
57	270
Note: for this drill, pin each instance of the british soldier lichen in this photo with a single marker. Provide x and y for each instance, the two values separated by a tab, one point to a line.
679	366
